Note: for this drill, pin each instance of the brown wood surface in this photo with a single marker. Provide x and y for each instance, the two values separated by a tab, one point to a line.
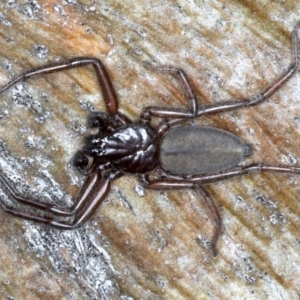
146	244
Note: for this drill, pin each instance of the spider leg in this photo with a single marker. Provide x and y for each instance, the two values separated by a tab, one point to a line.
91	201
92	193
51	208
214	214
252	168
179	115
169	182
182	76
108	91
209	202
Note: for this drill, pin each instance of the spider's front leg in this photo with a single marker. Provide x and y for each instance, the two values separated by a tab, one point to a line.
95	188
108	91
91	195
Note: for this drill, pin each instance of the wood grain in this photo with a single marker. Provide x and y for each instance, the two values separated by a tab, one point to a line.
146	244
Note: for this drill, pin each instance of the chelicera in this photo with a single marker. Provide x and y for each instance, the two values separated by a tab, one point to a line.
174	155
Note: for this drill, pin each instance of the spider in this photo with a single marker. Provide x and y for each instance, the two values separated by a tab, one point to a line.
172	156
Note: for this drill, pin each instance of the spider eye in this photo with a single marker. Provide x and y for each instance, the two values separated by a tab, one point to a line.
82	162
97	120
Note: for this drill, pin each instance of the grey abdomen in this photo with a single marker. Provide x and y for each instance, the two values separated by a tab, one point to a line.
192	150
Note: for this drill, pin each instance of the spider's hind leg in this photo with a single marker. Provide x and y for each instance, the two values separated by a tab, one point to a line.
167	184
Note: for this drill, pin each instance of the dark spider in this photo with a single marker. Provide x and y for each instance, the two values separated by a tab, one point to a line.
182	156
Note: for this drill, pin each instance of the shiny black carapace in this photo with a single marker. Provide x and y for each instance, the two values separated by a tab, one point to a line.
173	155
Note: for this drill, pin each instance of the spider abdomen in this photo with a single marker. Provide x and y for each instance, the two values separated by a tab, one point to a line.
192	150
131	148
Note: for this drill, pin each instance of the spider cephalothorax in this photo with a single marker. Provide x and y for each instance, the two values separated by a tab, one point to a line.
130	149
